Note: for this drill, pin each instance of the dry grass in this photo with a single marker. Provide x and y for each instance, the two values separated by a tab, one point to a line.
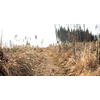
53	60
22	60
83	63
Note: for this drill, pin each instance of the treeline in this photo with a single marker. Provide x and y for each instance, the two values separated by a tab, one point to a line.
77	34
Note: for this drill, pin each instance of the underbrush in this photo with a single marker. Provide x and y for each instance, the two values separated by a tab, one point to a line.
58	60
83	63
22	62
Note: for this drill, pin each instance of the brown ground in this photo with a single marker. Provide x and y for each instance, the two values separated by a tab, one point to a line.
51	61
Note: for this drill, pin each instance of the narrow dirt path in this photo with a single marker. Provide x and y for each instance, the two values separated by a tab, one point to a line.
47	67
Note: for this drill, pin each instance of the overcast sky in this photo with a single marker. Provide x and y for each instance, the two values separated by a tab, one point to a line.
28	18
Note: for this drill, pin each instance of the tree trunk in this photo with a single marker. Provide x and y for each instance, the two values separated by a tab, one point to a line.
74	47
59	48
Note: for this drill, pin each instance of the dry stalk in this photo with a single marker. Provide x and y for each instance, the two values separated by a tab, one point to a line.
99	50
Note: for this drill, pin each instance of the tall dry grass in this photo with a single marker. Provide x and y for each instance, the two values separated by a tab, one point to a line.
22	61
54	60
83	63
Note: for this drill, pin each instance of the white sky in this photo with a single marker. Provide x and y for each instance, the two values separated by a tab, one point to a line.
33	17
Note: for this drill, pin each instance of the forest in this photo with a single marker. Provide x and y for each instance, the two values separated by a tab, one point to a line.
77	34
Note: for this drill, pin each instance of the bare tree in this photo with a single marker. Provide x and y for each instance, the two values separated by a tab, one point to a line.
84	27
36	39
74	47
96	27
16	39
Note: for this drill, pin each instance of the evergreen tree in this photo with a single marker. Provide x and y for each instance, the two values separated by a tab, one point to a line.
65	35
